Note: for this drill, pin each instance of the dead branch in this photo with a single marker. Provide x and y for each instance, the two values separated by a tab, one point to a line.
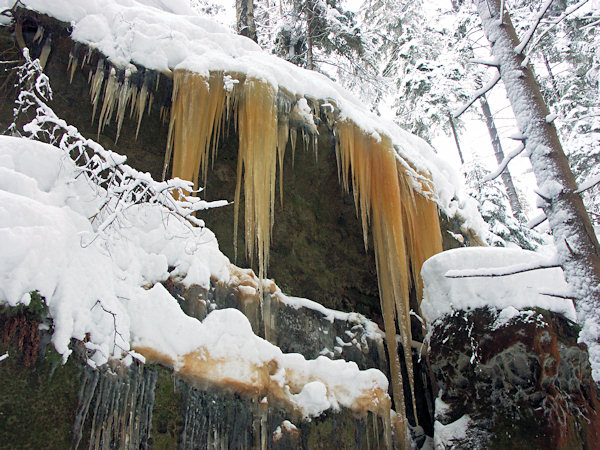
567	13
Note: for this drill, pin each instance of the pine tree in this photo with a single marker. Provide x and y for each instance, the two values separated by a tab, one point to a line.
578	251
566	58
494	206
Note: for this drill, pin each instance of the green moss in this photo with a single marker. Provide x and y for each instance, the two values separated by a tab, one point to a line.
37	404
333	430
36	309
166	414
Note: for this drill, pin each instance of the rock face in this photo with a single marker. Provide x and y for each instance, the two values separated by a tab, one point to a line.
516	380
148	406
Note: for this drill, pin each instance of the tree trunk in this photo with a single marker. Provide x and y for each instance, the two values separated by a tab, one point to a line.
513	198
309	38
244	14
577	246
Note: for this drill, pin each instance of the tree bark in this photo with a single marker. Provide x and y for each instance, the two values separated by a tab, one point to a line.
244	14
513	197
310	34
577	246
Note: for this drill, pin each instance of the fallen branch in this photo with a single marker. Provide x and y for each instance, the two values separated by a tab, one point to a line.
491	272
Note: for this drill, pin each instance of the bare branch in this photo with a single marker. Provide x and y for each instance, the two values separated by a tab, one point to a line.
492	272
479	93
508	158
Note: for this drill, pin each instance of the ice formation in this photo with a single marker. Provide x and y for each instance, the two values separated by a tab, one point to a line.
397	182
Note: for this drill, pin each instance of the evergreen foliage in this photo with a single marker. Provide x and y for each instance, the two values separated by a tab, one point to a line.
494	207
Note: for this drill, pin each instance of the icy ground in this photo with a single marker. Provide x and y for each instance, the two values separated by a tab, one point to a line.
107	287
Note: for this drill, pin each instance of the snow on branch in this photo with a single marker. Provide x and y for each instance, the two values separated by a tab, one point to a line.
537	220
491	272
121	185
538	18
588	184
491	62
479	93
508	158
567	13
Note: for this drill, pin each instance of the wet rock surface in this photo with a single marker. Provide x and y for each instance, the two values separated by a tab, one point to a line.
521	383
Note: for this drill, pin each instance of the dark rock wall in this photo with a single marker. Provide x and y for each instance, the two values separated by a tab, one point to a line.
525	384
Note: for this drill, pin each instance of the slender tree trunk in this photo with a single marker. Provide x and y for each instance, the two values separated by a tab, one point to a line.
577	246
513	198
460	155
555	94
309	38
244	14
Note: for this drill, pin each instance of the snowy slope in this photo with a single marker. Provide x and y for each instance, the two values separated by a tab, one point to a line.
165	35
105	290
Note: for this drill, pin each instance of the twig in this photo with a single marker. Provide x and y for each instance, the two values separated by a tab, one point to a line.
567	13
550	294
588	184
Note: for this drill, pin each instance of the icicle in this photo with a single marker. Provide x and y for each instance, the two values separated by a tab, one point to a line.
96	86
39	34
122	101
405	225
73	61
110	98
142	98
45	52
196	120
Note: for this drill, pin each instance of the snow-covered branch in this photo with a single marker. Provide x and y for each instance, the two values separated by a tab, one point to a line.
538	18
537	220
122	185
508	158
487	272
588	184
567	13
479	93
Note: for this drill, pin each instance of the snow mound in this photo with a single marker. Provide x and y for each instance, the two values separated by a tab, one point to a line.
442	295
106	290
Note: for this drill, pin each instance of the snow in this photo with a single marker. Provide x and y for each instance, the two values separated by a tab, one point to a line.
165	36
443	435
443	295
107	290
